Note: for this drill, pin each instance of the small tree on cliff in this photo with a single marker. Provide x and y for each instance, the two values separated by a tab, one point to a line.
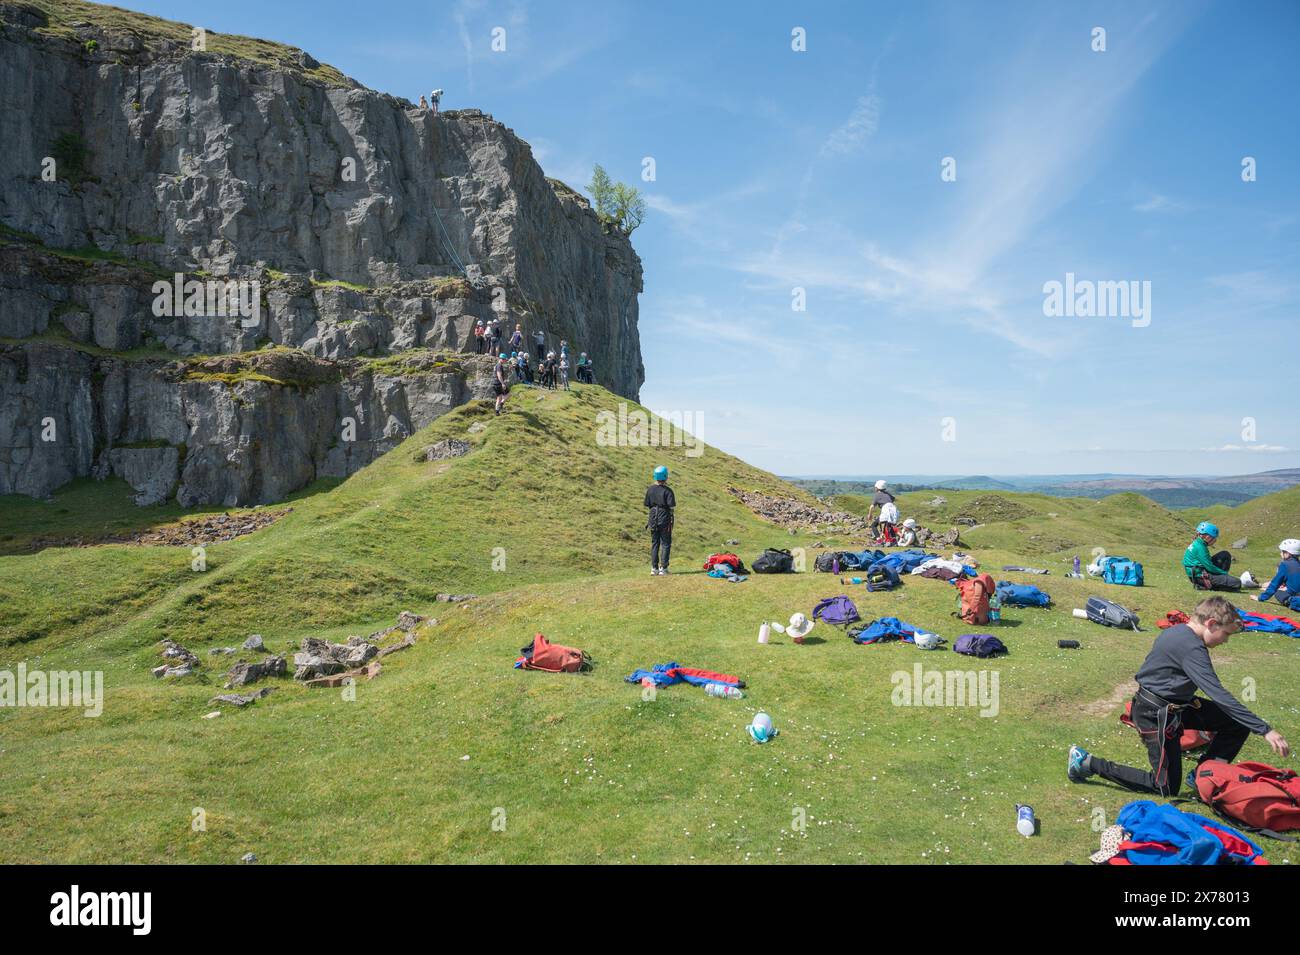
616	204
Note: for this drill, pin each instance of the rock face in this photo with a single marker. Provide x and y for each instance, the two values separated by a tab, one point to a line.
362	228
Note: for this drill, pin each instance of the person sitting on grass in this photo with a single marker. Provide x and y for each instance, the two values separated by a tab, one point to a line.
501	381
661	501
1165	703
1285	584
1206	572
907	537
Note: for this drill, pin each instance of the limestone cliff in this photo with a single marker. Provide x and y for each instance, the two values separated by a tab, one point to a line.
371	229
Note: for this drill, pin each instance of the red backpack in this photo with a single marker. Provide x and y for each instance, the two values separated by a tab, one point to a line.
1191	739
975	593
1255	794
715	559
552	657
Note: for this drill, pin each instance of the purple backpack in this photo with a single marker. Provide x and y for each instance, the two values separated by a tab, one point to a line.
836	610
979	645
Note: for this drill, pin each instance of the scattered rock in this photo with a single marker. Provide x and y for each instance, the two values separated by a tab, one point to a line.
1239	544
221	651
248	858
477	427
732	543
937	501
212	716
448	448
797	515
241	699
254	642
409	641
242	674
174	651
929	538
194	531
184	669
454	598
369	671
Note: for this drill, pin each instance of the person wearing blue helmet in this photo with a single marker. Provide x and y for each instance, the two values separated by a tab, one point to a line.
501	380
1208	572
661	502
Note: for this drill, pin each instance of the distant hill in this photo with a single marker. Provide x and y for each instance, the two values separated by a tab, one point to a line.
1172	492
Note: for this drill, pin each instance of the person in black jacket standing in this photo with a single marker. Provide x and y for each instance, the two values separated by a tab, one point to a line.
1178	665
660	500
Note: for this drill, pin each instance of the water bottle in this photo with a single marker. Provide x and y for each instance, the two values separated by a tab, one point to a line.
1076	566
1025	820
835	565
995	608
763	632
724	690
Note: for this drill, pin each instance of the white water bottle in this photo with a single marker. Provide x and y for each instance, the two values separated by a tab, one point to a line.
724	690
1025	820
764	631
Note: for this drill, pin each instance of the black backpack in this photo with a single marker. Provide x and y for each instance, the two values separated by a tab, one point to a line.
825	563
1108	614
773	561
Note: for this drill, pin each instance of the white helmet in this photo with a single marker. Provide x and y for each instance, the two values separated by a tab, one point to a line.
926	641
880	485
1291	546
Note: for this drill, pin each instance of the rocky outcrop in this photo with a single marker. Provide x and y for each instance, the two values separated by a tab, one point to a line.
234	430
359	226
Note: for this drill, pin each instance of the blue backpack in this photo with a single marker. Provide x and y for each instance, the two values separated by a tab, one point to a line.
1121	570
836	610
979	645
1022	595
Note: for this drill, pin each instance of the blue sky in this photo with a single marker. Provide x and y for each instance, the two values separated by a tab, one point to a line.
924	346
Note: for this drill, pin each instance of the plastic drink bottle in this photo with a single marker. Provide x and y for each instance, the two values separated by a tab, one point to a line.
835	566
1025	820
724	690
763	632
1076	566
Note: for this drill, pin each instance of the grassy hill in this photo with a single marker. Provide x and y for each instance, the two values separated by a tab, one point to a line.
450	739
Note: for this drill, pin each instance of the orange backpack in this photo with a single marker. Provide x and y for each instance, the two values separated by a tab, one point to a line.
1255	794
975	593
553	658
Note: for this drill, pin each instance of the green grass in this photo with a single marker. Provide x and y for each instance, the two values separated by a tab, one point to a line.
583	767
66	16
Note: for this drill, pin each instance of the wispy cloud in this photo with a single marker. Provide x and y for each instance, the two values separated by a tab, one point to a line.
1158	203
861	124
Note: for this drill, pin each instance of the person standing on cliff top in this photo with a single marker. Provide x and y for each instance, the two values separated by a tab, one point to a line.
434	97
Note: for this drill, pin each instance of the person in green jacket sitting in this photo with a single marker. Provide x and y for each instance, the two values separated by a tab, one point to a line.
1208	572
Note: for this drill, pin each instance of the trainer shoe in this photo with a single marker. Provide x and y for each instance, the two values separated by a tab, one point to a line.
663	571
654	571
1077	768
